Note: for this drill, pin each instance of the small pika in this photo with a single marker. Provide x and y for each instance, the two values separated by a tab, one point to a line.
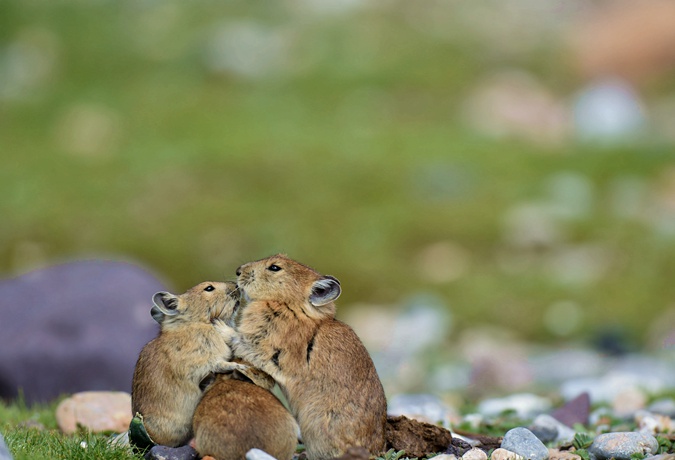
174	368
237	415
286	326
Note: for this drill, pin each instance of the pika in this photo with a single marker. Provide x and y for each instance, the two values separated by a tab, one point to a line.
174	368
286	326
239	413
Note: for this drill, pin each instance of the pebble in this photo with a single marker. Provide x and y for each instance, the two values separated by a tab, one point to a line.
257	454
663	406
622	445
97	411
555	454
524	443
576	410
474	454
628	402
4	451
651	424
525	405
548	429
503	454
172	453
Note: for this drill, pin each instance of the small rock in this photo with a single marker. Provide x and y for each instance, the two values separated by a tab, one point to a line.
446	457
555	454
4	451
628	402
474	454
257	454
663	457
622	445
97	411
172	453
665	406
525	405
576	410
524	443
548	429
651	424
503	454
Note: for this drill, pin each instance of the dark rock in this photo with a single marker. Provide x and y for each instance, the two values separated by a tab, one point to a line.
172	453
576	410
74	327
458	447
416	438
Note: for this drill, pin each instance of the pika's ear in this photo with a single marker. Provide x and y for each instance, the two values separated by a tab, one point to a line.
165	304
324	291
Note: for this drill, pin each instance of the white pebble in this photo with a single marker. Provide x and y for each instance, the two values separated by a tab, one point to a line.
257	454
474	454
503	454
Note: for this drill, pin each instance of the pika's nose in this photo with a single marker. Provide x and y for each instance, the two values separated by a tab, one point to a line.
238	271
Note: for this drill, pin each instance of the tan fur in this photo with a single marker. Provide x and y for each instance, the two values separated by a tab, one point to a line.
288	329
235	416
191	346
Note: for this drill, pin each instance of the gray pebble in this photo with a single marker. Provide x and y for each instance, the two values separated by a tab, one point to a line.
664	406
548	429
172	453
4	451
524	443
622	445
257	454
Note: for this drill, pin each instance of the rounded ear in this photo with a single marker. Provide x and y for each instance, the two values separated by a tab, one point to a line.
166	304
325	291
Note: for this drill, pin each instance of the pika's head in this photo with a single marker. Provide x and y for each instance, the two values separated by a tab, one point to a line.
203	303
278	278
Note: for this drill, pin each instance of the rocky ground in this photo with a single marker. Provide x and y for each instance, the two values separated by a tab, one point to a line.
625	414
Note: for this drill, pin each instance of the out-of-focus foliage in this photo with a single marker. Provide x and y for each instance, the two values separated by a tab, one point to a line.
380	142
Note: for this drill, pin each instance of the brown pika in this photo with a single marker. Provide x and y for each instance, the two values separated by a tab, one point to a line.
173	369
237	415
287	328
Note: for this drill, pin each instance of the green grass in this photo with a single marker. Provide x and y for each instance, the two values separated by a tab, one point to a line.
352	157
31	433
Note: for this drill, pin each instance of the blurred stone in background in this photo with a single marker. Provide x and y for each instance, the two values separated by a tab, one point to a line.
74	327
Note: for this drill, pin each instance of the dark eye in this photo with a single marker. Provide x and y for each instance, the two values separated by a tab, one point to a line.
274	268
209	288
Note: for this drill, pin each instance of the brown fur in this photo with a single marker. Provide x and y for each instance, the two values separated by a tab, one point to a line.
191	346
288	329
236	416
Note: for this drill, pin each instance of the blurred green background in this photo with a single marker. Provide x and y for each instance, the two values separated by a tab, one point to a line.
435	147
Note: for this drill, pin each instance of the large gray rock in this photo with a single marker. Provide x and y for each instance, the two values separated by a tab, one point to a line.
622	445
74	327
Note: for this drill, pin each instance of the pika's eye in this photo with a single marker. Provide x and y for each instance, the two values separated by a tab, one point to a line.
209	288
274	268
